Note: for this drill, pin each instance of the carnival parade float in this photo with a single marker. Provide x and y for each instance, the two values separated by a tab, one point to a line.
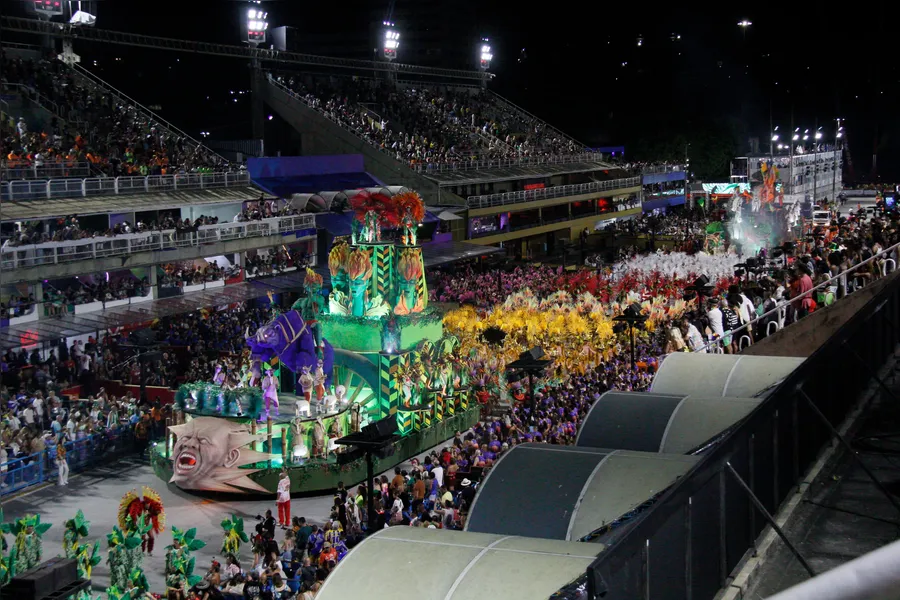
367	349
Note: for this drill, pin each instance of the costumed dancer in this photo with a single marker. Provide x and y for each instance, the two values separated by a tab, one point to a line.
306	383
310	308
319	380
219	377
174	578
340	395
355	418
255	373
336	432
270	391
299	451
318	449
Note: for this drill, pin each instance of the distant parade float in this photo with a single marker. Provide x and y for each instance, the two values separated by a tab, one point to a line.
368	349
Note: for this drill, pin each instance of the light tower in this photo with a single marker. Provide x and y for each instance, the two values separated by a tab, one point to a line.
485	54
257	24
391	41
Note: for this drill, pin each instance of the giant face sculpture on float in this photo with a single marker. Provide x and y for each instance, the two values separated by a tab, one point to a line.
209	453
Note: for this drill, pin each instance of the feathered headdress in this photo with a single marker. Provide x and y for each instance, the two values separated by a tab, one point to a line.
382	205
312	278
412	202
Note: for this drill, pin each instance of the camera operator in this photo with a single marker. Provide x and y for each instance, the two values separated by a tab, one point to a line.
266	526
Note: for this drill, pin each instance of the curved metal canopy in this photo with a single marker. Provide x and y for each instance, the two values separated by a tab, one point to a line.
434	564
721	374
565	492
649	422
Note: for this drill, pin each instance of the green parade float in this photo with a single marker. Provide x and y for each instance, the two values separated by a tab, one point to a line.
391	358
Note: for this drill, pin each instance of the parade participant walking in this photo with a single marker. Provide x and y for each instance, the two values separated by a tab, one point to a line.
62	466
283	499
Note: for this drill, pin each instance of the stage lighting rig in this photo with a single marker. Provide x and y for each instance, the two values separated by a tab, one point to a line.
485	54
391	41
48	8
257	24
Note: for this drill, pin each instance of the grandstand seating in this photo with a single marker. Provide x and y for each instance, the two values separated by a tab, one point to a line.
432	125
91	126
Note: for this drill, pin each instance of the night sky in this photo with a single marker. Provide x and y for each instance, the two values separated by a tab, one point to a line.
716	80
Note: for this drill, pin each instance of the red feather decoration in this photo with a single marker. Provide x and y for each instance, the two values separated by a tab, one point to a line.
410	201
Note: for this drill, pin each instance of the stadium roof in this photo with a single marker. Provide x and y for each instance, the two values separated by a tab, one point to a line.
446	178
648	422
578	490
50	330
50	208
700	374
433	564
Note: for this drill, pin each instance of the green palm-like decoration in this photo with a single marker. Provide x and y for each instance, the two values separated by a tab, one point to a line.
113	593
124	553
234	535
6	566
27	550
138	581
187	539
76	529
179	562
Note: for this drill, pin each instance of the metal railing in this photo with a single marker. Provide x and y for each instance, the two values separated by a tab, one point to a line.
47	170
317	107
557	191
20	473
528	115
32	95
846	277
137	106
52	253
651	169
109	186
522	161
689	542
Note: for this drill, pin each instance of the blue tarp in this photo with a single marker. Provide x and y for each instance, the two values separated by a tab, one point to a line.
285	175
648	205
662	177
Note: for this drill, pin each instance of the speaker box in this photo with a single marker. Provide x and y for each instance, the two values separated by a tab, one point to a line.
381	429
350	454
43	580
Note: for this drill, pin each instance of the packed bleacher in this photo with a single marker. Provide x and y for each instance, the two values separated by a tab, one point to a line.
431	125
70	227
96	127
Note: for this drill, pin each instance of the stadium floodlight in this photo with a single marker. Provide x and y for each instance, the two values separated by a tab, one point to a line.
485	54
257	24
391	41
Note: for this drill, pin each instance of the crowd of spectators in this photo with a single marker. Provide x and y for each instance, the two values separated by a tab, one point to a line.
96	127
93	288
71	228
180	275
275	261
820	258
428	125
